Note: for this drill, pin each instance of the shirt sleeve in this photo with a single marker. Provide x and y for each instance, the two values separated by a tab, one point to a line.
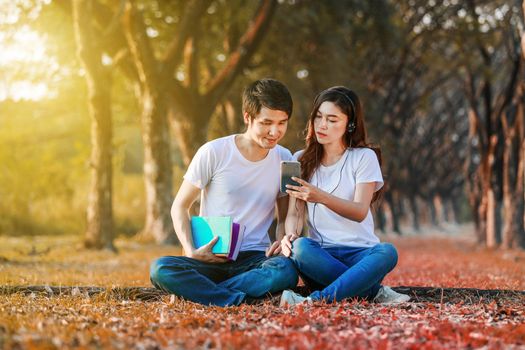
368	169
296	155
200	171
285	154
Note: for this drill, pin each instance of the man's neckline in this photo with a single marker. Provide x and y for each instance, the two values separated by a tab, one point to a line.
239	137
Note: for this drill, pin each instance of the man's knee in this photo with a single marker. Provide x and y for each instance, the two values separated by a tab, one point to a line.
301	247
154	270
158	267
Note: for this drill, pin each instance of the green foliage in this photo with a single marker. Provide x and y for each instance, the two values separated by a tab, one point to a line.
42	153
310	45
45	152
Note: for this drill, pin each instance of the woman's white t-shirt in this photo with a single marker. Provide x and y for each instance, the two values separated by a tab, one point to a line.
234	186
356	165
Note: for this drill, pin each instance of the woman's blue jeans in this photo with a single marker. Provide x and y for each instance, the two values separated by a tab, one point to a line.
252	275
336	273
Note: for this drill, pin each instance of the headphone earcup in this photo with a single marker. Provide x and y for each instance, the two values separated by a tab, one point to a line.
351	127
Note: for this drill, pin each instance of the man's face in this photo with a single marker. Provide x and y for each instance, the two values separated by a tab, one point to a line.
268	127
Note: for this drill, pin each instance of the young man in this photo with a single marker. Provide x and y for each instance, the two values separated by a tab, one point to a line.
235	176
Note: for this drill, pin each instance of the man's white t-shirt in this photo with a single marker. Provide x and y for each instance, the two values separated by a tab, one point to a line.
356	165
234	186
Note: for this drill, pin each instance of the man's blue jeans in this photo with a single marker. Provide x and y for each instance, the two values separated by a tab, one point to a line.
336	273
251	275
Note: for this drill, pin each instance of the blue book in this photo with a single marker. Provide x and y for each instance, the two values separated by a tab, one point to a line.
204	228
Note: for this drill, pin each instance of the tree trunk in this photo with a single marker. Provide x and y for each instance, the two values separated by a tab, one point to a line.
519	237
521	167
191	131
510	197
157	171
475	200
520	240
395	211
155	132
444	215
227	119
380	218
433	212
491	239
487	208
415	212
473	179
100	229
455	210
513	175
233	114
499	221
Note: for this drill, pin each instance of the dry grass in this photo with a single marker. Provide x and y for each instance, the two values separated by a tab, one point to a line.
37	321
62	261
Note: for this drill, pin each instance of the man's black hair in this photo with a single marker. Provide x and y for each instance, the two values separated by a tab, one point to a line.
268	93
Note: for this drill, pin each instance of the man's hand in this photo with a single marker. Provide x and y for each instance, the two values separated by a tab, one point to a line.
286	244
204	253
274	249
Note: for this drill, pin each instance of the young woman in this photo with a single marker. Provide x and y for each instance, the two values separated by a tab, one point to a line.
343	258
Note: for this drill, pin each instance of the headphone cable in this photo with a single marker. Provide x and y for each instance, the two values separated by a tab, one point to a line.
332	191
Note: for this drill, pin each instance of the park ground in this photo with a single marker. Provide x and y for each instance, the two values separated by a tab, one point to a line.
463	317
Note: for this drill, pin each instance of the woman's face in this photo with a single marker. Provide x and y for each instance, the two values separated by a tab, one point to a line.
330	124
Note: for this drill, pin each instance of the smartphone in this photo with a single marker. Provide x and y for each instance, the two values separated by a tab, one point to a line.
289	169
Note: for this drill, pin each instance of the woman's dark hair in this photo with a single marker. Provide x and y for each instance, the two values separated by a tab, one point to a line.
349	103
268	93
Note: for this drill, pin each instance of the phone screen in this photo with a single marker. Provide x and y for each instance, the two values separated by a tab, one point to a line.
289	169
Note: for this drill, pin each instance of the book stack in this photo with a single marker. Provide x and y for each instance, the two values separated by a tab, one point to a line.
231	234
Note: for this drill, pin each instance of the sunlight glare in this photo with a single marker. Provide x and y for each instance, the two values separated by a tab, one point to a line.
24	50
25	45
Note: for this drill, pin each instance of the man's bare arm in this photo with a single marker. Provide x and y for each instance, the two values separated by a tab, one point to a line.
180	214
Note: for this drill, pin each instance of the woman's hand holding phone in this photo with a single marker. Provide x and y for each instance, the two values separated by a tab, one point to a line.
306	191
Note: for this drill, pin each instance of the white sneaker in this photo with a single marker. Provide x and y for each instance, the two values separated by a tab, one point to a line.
291	298
387	295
